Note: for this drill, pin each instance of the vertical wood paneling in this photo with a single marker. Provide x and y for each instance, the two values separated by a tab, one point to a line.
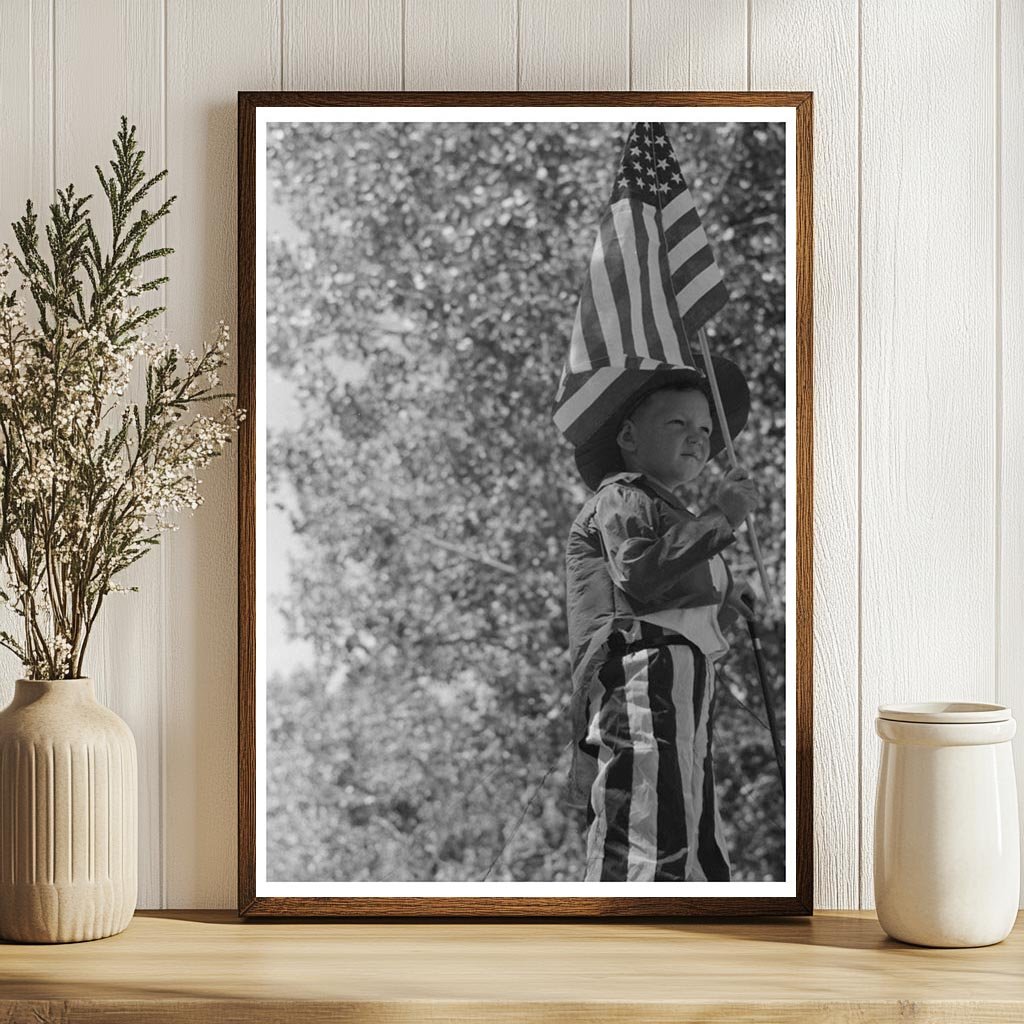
122	658
26	103
26	170
700	44
940	458
829	68
348	44
573	44
928	515
460	44
213	51
1010	265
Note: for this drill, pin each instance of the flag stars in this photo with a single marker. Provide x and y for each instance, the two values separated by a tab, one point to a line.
645	171
648	176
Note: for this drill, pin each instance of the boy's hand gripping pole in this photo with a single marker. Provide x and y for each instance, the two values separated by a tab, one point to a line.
724	425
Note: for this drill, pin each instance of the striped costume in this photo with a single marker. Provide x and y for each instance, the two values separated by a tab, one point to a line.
645	587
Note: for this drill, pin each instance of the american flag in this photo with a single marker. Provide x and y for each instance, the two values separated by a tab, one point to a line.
651	285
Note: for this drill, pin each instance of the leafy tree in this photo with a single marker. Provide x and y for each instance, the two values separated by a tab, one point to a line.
422	311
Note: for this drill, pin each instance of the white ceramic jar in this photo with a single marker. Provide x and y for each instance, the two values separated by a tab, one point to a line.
947	847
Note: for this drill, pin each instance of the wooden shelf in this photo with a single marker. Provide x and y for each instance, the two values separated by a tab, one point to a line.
209	966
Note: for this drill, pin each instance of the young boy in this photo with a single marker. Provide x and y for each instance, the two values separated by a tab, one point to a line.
648	593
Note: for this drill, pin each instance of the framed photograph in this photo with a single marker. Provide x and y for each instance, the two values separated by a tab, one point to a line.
525	514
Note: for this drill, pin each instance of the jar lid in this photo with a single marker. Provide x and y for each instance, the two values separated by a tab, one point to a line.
945	713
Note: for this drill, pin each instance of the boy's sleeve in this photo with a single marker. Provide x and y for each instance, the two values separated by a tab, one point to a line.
648	556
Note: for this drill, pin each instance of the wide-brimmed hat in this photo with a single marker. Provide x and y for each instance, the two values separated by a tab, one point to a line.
599	455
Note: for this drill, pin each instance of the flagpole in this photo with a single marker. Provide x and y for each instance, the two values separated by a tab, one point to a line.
716	394
769	707
755	637
705	351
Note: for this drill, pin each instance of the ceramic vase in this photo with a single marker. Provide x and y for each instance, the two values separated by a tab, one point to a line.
68	815
947	847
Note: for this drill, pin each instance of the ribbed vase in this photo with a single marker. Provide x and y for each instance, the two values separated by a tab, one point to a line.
68	815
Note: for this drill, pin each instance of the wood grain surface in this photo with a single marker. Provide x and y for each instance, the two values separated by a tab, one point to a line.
207	966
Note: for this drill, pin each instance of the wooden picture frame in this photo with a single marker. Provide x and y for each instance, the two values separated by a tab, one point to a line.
254	896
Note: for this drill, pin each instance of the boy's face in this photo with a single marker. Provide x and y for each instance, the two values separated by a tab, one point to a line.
668	437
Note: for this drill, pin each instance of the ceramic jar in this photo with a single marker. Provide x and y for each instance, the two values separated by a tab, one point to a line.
68	815
947	847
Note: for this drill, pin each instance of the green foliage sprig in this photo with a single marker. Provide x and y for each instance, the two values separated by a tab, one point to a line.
88	477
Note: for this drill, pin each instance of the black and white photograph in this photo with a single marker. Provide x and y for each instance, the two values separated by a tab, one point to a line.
525	502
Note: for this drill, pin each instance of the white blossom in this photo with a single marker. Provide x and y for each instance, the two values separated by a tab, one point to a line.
86	481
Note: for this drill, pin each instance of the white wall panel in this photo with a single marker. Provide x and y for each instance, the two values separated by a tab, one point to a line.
573	44
919	414
460	44
928	522
26	168
1009	256
26	104
701	44
348	44
213	51
127	666
829	69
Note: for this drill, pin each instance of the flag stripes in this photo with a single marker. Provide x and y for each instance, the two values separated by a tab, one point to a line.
652	815
673	339
704	295
580	410
607	332
651	284
645	751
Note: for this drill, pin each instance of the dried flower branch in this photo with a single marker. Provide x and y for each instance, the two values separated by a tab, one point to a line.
88	478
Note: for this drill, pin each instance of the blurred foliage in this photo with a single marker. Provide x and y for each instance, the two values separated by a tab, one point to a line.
420	307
